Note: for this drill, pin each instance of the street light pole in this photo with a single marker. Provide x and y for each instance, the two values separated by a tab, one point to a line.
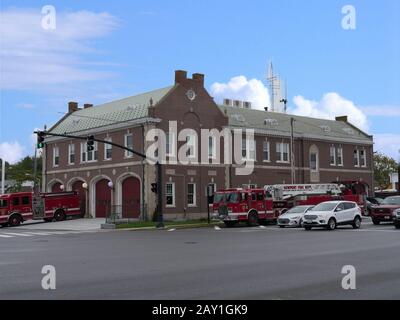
3	175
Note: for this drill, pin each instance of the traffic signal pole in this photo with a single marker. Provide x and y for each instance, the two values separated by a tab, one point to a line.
160	217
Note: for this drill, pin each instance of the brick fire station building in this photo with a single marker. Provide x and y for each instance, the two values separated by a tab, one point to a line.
324	151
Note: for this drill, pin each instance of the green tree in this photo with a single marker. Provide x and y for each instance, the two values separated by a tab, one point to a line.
23	171
383	166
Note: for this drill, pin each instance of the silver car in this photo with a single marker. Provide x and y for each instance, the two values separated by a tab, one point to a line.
293	217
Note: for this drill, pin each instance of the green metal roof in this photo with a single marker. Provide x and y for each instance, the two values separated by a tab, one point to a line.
119	111
279	123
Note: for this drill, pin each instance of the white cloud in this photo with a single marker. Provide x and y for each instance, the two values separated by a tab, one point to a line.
12	152
33	57
382	111
330	106
241	88
388	144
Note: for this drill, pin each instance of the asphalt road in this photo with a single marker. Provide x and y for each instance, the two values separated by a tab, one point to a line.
239	263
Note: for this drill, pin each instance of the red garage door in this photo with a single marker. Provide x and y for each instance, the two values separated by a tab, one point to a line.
103	198
131	198
77	186
56	187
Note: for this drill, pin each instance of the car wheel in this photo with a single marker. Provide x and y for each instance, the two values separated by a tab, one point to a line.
356	223
59	215
252	219
229	224
308	228
331	224
301	223
14	221
375	222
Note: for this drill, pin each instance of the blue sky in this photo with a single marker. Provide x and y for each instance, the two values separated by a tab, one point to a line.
102	50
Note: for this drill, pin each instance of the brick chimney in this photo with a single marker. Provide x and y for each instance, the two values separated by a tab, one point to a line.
72	106
342	118
199	78
180	76
87	105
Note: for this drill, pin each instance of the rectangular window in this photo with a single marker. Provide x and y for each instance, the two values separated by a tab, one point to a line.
356	158
313	162
107	149
56	156
211	189
212	148
128	144
92	155
191	195
333	156
170	146
339	156
83	152
363	158
170	194
71	154
15	201
282	152
191	146
266	151
25	200
248	149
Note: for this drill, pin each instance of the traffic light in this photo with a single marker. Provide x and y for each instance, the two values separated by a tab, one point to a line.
154	187
40	139
90	143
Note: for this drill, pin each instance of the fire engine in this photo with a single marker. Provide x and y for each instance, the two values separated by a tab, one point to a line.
266	205
16	208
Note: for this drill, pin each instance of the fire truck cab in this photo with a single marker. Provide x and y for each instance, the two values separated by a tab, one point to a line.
249	205
16	208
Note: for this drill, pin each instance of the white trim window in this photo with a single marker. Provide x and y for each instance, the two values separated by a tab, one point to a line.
92	156
314	161
191	146
56	156
170	144
266	151
363	158
108	149
191	194
339	156
332	156
212	148
83	151
170	194
129	144
249	149
282	152
71	153
356	157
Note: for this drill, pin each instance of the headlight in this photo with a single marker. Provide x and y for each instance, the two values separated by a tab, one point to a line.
295	218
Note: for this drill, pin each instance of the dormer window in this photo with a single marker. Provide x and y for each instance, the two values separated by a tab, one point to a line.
325	128
271	122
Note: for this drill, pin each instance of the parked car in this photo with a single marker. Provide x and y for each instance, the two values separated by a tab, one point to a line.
331	214
385	211
293	217
396	219
371	203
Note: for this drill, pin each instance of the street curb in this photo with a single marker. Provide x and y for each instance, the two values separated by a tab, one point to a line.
180	227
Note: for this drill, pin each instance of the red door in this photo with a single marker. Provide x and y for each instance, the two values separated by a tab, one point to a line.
103	198
77	186
131	198
56	187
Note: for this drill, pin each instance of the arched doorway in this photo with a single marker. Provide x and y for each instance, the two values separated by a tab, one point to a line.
103	198
130	197
56	187
77	186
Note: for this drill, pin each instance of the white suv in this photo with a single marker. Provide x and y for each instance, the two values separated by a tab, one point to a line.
332	214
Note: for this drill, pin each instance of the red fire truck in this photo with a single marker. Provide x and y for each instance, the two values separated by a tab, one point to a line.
266	205
16	208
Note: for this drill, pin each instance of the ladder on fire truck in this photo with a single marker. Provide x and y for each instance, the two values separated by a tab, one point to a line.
284	191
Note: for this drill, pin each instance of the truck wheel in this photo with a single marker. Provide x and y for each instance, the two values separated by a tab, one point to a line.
331	224
48	219
252	219
230	224
375	222
59	215
4	225
14	221
356	223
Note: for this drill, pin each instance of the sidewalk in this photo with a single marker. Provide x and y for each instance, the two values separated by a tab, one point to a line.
68	225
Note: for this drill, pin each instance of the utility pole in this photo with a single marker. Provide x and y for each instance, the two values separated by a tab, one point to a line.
3	175
292	159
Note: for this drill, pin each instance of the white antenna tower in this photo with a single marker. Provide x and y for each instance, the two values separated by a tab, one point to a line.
274	84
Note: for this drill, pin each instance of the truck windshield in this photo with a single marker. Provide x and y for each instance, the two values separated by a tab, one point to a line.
232	197
392	200
218	197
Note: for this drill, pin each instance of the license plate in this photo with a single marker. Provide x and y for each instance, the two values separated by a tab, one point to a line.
387	217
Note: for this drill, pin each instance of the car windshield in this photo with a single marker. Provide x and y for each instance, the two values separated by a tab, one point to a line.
327	206
392	200
218	197
232	197
298	209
